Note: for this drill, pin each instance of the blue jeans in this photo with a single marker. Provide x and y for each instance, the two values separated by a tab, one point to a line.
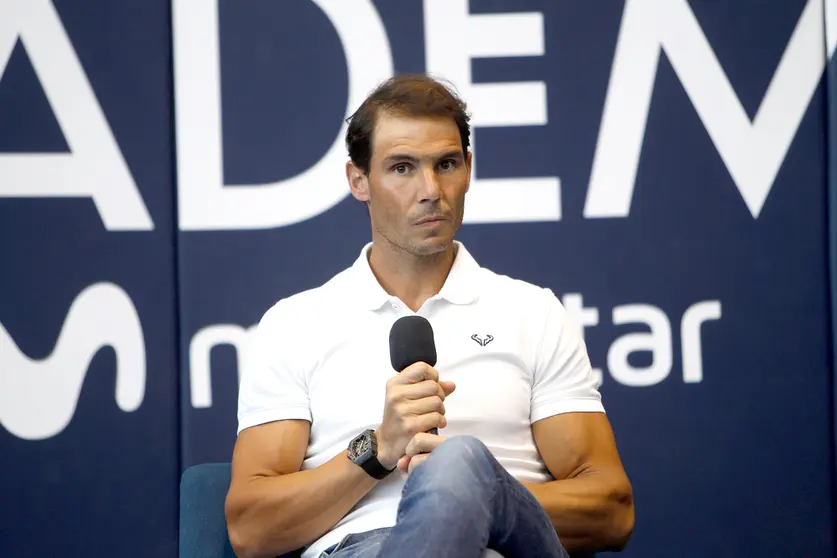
456	504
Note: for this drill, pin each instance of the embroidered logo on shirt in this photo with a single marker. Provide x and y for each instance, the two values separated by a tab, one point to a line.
482	341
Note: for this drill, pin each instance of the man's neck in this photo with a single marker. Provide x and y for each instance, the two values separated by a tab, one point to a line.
412	279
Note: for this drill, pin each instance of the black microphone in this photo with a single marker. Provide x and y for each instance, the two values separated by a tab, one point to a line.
410	341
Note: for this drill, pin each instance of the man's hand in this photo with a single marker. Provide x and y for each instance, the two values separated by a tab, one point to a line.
418	450
414	403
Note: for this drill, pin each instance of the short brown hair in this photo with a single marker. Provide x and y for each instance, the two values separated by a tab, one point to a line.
415	95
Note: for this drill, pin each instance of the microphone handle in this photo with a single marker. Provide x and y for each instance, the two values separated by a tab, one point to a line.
434	431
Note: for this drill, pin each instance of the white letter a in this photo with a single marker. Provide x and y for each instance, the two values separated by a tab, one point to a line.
94	167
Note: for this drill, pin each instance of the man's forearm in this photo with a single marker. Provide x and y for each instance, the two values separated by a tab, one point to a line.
272	515
590	512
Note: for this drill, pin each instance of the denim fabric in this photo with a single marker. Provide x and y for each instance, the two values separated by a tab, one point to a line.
456	504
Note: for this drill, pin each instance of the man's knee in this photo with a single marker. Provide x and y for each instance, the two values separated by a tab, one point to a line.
460	470
463	455
463	448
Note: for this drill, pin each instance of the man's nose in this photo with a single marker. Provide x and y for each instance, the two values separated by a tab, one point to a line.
431	189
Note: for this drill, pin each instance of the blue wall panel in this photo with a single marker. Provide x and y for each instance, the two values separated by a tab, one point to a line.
106	484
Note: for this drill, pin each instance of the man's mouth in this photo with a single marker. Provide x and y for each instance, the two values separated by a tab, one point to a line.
431	219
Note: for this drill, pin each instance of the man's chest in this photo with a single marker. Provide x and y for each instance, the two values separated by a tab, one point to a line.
490	360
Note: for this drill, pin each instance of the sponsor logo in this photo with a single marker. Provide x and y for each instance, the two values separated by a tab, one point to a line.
38	397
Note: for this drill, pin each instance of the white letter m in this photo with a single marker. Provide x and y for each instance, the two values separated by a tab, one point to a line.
753	151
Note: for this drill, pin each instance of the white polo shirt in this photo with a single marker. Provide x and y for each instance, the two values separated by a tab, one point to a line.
323	356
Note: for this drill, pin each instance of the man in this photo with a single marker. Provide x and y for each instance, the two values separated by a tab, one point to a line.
524	449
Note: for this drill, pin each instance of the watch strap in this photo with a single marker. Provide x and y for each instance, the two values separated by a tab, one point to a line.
374	468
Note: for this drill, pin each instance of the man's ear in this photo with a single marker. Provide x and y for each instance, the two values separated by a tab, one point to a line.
469	162
358	182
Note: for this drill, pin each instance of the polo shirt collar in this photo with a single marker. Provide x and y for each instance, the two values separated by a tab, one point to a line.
461	285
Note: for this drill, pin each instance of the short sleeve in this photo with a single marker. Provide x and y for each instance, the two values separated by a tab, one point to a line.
272	385
563	379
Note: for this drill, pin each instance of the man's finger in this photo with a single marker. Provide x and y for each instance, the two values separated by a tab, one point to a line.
404	463
425	405
420	390
417	372
423	423
416	461
423	442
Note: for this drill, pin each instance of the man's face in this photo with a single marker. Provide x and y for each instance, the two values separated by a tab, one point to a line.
416	185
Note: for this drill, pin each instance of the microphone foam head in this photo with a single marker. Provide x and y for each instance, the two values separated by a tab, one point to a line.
411	340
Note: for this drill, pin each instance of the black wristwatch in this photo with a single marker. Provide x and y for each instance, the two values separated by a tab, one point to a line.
363	450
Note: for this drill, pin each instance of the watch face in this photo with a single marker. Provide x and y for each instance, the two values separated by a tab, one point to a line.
360	445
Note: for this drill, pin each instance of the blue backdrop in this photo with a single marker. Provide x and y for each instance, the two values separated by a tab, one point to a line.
168	170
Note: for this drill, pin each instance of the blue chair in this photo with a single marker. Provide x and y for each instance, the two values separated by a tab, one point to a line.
203	527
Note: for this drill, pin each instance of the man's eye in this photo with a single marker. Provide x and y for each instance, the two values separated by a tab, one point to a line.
447	164
401	169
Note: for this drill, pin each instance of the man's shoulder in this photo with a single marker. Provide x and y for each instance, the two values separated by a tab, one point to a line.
502	287
312	304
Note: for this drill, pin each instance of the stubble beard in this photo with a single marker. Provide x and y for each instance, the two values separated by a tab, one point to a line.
405	245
